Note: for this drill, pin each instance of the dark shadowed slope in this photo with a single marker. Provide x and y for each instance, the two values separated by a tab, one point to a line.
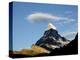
71	48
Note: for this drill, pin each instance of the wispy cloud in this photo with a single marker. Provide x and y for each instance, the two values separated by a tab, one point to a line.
38	17
70	35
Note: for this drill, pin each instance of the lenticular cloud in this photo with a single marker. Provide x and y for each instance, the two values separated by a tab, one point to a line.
41	17
38	17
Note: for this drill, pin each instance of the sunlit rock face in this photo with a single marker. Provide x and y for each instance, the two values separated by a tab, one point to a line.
39	49
51	39
35	50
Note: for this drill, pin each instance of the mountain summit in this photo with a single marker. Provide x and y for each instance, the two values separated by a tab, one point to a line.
51	39
51	26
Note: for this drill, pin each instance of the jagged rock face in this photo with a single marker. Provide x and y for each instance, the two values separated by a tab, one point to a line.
51	39
51	33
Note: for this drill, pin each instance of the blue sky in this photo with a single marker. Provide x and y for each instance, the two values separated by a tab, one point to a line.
26	33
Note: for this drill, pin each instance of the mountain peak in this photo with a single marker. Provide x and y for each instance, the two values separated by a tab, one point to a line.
51	26
51	39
